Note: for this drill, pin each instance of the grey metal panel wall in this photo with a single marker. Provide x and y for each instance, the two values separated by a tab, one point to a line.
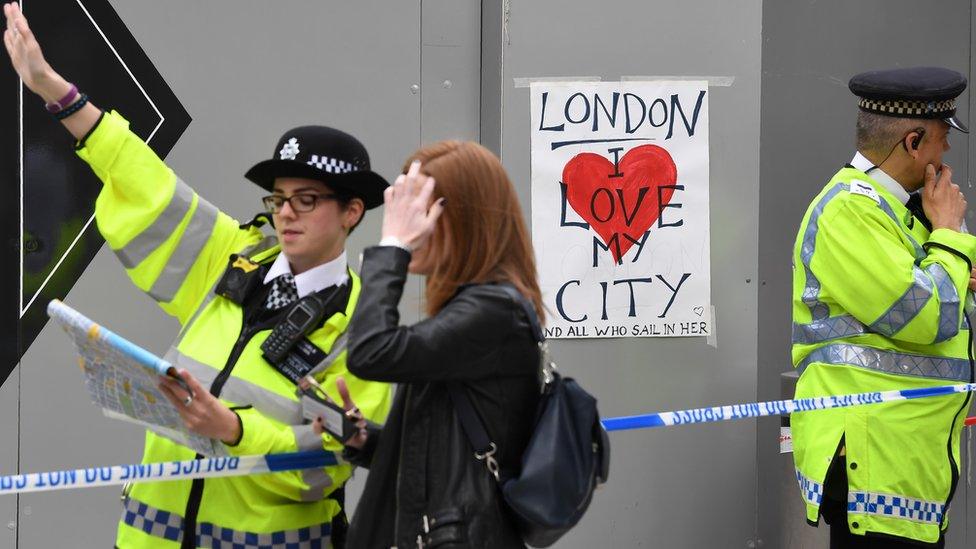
492	18
451	65
684	487
9	445
969	440
810	50
246	73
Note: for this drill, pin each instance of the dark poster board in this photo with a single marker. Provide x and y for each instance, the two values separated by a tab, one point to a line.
47	222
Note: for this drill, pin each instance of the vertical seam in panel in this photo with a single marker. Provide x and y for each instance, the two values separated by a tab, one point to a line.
20	300
506	12
757	519
481	71
969	175
420	141
420	138
17	501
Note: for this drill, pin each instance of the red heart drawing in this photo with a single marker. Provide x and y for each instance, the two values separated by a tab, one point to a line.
623	203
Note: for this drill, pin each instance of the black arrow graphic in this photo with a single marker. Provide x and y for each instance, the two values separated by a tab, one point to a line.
48	221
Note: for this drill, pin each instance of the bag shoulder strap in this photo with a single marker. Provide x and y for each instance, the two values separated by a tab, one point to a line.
471	424
474	429
528	308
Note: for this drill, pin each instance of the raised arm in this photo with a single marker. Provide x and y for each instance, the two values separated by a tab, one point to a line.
172	243
28	60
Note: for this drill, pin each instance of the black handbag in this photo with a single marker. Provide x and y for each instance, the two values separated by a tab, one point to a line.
567	457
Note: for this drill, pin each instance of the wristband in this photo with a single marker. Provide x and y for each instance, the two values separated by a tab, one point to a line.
61	115
63	103
394	241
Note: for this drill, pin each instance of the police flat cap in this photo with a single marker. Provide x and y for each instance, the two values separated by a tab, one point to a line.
917	92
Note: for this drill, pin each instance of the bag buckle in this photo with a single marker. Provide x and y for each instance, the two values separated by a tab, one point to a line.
488	456
547	366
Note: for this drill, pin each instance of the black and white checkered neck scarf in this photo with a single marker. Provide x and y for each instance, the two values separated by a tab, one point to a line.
283	292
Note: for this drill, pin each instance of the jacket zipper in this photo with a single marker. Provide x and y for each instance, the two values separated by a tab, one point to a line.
952	461
403	431
196	488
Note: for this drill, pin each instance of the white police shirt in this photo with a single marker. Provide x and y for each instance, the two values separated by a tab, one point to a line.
877	174
317	278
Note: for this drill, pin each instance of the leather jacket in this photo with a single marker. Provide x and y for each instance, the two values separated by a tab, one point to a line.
425	487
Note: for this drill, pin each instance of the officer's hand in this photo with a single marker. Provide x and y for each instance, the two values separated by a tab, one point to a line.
972	280
201	412
943	202
27	58
353	413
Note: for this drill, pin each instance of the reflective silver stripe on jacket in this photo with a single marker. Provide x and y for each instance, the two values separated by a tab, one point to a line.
264	244
895	506
241	392
169	526
811	290
948	302
906	307
918	294
194	238
824	328
316	479
139	248
829	328
954	369
338	346
916	248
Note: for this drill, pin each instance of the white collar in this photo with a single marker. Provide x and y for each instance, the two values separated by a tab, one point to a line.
876	173
317	278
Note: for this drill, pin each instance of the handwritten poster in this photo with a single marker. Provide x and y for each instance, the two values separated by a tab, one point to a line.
620	207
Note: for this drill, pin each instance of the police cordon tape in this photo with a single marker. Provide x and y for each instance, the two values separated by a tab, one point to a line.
171	470
278	463
777	407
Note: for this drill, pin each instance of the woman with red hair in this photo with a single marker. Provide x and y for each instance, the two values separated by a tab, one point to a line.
453	216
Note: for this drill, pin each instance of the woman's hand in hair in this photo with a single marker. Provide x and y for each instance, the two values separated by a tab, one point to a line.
409	216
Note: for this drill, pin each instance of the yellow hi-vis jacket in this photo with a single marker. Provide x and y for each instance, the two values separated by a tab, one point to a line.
878	306
176	246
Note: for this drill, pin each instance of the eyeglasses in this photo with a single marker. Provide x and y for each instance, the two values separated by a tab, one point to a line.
300	203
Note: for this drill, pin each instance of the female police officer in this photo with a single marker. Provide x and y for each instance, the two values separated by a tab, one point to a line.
175	246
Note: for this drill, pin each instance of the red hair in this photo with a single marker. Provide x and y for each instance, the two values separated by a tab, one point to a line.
481	236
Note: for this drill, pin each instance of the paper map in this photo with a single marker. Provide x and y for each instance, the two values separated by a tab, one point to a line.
122	378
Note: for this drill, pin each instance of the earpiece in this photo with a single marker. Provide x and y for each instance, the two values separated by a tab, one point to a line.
917	140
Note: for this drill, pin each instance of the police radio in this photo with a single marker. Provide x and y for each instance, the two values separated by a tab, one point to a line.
301	319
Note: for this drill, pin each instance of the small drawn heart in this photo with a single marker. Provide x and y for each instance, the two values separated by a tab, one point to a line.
699	310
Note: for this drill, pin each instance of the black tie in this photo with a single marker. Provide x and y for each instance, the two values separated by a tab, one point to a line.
914	205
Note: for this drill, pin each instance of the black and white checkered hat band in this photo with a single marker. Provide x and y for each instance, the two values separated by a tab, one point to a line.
931	109
331	165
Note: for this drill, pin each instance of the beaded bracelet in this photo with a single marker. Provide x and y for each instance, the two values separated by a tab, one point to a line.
73	108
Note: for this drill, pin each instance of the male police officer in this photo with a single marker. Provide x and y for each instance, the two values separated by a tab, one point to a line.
175	246
879	285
